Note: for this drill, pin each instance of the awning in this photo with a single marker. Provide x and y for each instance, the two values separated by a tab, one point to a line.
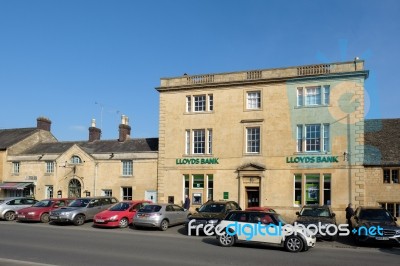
14	186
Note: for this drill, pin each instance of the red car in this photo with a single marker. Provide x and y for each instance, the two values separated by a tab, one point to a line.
263	209
120	214
40	211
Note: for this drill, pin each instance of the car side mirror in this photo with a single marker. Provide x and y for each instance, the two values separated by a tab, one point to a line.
297	213
90	205
197	209
395	219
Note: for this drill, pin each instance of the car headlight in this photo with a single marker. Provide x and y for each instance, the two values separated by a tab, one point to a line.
31	213
213	221
113	218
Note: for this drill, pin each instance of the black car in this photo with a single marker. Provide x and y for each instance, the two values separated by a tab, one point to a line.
211	213
319	216
374	224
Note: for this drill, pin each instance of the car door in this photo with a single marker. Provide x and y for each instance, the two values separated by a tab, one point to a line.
170	214
266	227
93	208
180	214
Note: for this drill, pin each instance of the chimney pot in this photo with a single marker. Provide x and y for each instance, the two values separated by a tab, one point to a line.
94	132
124	129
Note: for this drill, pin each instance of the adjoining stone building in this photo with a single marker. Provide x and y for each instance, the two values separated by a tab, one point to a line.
125	168
280	137
382	164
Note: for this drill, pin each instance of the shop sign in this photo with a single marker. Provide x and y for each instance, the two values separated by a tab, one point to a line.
312	159
197	161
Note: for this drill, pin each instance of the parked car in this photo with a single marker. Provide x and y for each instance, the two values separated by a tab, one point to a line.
212	212
8	206
120	214
365	218
160	215
238	220
264	209
40	210
314	214
81	210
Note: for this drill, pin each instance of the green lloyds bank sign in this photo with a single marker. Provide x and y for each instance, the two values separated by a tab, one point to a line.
312	159
197	161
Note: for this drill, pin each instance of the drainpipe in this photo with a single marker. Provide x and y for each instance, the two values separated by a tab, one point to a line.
96	166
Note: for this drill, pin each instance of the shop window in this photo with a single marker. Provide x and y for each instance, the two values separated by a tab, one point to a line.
327	189
297	190
210	187
186	185
312	189
127	193
107	192
393	208
198	181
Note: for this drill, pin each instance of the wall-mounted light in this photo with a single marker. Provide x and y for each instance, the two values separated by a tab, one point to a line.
40	157
111	155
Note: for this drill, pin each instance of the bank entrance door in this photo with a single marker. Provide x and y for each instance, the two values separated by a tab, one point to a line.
252	197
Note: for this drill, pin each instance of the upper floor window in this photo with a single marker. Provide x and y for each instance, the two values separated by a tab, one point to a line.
313	95
316	138
16	167
391	176
127	168
198	141
76	159
253	140
50	167
199	103
253	100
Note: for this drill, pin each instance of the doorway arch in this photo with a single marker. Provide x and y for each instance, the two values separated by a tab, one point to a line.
74	188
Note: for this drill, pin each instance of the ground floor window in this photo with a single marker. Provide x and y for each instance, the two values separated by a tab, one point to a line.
393	208
127	193
49	192
107	192
199	188
312	189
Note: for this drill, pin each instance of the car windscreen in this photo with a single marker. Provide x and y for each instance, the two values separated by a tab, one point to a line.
150	208
213	207
120	206
375	215
43	203
279	219
79	203
315	212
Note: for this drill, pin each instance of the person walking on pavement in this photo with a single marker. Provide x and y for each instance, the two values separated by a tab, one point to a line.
187	203
349	213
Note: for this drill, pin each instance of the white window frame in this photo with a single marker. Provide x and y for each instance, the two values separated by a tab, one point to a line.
126	197
199	103
324	138
253	149
190	144
16	167
127	168
50	167
313	95
107	192
75	159
253	100
188	104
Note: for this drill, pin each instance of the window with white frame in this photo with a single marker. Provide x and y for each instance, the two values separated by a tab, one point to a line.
198	141
49	167
127	168
313	138
127	193
75	160
107	192
313	95
253	100
199	103
16	167
253	140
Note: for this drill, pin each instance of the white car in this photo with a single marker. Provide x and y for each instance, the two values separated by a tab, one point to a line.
262	227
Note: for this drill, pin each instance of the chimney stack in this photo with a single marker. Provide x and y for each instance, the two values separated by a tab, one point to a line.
43	123
124	129
94	132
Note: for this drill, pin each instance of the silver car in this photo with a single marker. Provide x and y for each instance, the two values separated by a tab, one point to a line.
81	210
160	215
8	206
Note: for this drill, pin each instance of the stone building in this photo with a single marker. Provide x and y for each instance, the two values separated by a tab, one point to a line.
382	164
125	167
280	137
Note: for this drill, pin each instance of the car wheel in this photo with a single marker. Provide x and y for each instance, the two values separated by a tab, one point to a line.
9	216
123	223
294	244
79	219
45	218
226	240
164	225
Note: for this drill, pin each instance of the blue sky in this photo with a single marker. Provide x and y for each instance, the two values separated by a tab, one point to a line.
68	60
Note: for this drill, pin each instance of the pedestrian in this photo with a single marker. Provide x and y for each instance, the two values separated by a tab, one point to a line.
187	203
349	213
